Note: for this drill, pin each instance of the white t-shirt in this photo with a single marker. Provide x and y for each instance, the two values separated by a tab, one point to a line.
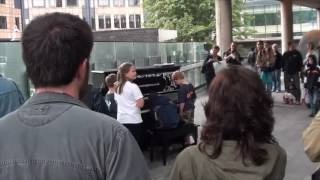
128	112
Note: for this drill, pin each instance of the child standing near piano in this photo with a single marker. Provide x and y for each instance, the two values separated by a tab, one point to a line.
186	97
129	100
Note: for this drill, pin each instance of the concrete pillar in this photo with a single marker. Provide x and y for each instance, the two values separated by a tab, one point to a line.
286	23
223	24
318	18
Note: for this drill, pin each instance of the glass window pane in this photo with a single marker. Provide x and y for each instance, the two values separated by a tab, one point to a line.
38	3
72	3
118	2
103	2
131	21
2	1
3	22
138	21
123	21
134	2
101	22
116	21
108	21
17	22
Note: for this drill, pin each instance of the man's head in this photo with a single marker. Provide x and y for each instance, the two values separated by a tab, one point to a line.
216	50
291	46
56	49
275	47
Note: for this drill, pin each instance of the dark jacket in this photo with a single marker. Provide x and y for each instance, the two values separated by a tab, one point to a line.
252	58
313	73
292	62
230	60
166	111
54	136
207	66
278	63
94	100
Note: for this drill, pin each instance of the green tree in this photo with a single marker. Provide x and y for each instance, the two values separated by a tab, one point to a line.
193	19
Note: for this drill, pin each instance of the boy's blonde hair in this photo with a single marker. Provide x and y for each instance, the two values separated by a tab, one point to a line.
177	75
110	80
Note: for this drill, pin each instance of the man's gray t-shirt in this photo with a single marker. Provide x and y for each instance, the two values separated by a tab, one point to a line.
55	137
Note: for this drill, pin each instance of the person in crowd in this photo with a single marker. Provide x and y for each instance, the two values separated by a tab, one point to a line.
232	56
94	100
252	58
129	100
305	94
292	67
10	96
277	68
186	97
110	82
236	140
265	64
54	135
207	67
312	84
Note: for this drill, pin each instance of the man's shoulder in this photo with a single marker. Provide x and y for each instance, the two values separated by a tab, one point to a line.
7	84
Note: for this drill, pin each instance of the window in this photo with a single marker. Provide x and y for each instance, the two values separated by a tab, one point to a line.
38	3
17	4
108	21
118	2
93	23
2	1
116	21
3	22
101	22
72	3
131	21
134	2
138	21
123	21
103	2
55	3
17	22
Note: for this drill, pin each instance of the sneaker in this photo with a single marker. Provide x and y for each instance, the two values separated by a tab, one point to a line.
297	103
278	91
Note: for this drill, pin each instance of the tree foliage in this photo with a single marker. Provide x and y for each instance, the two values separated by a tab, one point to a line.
193	19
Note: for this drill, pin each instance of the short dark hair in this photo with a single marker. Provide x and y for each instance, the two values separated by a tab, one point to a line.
216	47
54	45
238	109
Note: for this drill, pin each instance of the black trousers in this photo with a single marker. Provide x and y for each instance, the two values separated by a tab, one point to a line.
136	131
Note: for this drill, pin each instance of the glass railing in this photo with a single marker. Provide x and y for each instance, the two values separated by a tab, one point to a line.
109	55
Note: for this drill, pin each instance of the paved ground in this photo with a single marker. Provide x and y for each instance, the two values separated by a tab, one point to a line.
291	120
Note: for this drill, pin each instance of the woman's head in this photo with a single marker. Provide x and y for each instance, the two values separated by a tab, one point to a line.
312	60
126	72
310	46
238	109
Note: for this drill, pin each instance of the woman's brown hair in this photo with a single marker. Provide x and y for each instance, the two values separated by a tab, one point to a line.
238	109
124	68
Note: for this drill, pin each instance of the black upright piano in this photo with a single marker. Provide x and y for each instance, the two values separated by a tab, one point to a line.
151	79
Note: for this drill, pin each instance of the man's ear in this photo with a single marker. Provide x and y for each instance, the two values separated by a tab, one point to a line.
83	68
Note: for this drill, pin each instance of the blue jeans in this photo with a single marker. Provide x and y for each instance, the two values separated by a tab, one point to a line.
276	81
313	96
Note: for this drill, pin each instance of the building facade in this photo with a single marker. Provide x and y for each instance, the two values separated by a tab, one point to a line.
266	19
10	19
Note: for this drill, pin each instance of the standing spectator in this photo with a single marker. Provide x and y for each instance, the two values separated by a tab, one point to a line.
130	100
252	58
110	81
236	140
277	69
232	56
10	96
265	63
54	135
312	84
207	67
292	67
186	97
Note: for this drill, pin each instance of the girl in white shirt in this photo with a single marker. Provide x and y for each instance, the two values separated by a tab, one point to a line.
129	100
